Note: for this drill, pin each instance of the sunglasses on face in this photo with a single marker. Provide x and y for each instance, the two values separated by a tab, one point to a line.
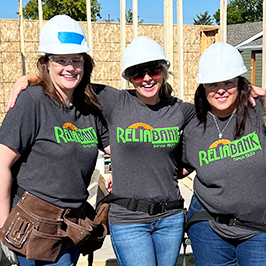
139	75
59	61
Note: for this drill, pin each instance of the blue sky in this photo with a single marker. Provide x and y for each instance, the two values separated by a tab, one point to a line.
151	11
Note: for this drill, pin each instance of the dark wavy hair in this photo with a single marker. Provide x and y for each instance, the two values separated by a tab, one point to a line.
203	107
83	93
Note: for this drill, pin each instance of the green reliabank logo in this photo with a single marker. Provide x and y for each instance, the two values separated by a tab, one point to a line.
237	149
156	136
70	133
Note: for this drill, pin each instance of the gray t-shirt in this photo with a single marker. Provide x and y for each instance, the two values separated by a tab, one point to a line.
58	147
231	173
144	143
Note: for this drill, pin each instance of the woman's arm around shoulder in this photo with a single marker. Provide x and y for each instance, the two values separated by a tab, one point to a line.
21	84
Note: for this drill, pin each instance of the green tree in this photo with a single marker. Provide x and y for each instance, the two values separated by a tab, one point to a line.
203	19
242	11
74	8
129	17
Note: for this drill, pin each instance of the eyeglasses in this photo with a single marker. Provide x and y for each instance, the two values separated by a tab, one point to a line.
226	85
59	61
139	75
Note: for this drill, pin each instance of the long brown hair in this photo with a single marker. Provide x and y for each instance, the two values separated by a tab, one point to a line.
202	105
83	93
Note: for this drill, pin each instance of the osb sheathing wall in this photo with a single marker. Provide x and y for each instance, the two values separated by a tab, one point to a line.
106	53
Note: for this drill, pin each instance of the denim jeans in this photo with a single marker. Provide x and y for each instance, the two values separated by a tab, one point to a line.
149	244
66	257
209	249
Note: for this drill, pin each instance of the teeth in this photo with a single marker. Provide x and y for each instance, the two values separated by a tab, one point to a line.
148	86
69	76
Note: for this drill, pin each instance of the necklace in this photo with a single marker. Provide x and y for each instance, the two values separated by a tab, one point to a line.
215	121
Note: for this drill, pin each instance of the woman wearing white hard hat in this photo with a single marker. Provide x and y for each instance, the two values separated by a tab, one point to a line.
146	220
226	145
48	146
146	225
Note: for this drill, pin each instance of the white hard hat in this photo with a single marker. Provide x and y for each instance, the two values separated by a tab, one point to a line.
220	62
142	50
62	35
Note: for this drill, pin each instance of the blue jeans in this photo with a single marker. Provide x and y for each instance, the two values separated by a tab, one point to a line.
149	244
209	249
66	257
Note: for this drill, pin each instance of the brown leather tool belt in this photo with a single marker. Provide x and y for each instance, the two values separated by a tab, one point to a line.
38	229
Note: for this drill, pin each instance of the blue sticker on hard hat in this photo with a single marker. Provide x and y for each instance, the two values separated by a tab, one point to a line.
70	37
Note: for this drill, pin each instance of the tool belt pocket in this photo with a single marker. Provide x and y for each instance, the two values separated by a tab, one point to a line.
85	232
96	238
77	231
36	237
42	246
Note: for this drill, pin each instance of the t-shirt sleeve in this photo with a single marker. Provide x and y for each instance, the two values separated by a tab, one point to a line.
103	133
188	110
107	97
19	126
183	150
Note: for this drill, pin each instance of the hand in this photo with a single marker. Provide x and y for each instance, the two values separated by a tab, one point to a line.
255	92
8	256
21	84
109	184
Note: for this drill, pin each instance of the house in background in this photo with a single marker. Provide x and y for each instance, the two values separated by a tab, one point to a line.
247	38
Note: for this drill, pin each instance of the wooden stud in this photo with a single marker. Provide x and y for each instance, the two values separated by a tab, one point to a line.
122	36
89	27
253	68
180	41
264	47
168	34
22	48
223	20
40	15
135	18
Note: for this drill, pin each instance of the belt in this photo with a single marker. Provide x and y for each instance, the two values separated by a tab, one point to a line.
201	216
151	208
70	212
20	191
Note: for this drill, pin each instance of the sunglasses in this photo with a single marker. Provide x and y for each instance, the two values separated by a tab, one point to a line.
139	75
59	61
226	85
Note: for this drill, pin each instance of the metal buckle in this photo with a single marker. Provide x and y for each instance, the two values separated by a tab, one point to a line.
155	208
132	204
225	220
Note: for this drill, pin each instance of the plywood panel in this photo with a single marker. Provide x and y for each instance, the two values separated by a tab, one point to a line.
106	52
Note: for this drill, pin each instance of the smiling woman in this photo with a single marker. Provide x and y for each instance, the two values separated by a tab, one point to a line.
226	145
147	70
145	125
66	73
55	131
